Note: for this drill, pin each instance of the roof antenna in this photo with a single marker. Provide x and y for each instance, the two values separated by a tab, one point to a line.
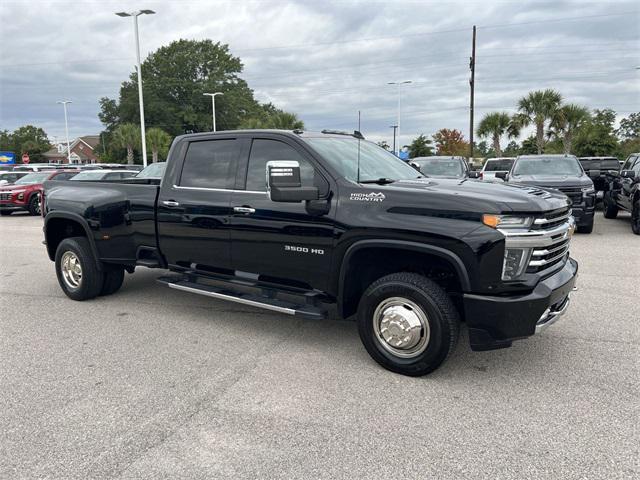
359	138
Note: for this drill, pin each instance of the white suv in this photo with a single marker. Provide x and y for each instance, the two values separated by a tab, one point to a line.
496	165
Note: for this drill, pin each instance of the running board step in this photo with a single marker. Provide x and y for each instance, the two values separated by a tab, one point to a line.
267	301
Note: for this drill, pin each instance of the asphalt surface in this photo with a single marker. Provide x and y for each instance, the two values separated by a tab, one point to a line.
156	383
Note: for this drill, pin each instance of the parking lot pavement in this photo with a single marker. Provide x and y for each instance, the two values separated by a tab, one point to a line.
152	382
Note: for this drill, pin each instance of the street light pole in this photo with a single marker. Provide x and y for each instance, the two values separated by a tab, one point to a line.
399	84
213	107
66	127
135	16
395	128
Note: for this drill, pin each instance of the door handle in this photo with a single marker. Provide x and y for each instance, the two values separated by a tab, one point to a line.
170	203
245	210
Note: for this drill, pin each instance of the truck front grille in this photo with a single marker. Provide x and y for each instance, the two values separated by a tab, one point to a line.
574	194
544	246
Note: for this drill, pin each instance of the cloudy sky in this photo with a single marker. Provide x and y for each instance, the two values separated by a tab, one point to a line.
325	60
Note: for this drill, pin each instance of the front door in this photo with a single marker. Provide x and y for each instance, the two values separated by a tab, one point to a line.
289	243
194	209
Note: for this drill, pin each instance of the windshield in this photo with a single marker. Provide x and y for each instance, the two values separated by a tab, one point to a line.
547	166
90	175
375	161
502	165
440	167
33	178
155	170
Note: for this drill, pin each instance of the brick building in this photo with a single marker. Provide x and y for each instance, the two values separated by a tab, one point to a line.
82	151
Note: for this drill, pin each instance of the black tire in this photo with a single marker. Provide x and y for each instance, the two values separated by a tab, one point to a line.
5	213
609	206
441	315
34	204
90	284
586	228
635	217
112	280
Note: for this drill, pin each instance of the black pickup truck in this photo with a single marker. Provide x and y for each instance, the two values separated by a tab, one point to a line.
296	222
623	192
599	169
560	172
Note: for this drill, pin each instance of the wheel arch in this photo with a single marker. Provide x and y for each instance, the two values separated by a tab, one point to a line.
61	225
349	293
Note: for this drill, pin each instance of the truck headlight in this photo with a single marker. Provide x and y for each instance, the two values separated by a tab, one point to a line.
507	221
515	262
20	196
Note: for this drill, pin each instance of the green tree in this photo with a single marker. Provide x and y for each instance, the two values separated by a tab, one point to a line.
28	139
496	124
127	136
529	146
597	137
272	117
566	121
512	149
629	127
158	141
538	108
420	147
450	142
384	144
175	78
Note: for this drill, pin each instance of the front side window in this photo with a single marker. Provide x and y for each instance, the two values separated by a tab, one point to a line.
33	178
547	166
209	164
263	151
345	154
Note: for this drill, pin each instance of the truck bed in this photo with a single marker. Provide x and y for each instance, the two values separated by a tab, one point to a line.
124	210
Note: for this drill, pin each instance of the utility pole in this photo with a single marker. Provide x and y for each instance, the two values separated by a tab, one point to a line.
64	103
395	129
359	121
472	81
399	85
135	16
213	107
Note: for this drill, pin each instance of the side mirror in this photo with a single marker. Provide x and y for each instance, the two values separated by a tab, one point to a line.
284	184
415	165
503	175
475	174
628	174
594	173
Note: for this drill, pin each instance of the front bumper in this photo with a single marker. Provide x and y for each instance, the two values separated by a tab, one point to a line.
12	207
494	322
583	214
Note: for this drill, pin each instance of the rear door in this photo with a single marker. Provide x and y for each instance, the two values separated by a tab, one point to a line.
194	204
624	198
289	243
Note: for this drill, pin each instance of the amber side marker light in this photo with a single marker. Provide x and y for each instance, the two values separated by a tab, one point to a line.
491	220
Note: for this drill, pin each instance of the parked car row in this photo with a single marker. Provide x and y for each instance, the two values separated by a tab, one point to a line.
22	190
40	167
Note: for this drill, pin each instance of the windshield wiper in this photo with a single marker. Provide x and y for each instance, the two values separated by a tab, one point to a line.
379	181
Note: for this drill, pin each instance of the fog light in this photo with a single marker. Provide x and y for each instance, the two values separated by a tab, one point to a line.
515	262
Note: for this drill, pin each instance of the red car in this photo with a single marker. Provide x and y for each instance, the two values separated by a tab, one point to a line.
25	193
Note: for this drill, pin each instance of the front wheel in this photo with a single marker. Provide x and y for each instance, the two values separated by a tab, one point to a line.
76	268
610	207
407	323
635	217
34	204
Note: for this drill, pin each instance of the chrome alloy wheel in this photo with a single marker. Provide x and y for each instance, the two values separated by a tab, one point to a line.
401	327
71	269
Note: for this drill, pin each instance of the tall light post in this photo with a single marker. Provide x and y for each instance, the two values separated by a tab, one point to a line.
66	126
135	16
213	106
399	85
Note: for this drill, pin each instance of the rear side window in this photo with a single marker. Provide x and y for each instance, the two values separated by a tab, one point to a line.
263	151
498	165
64	176
210	164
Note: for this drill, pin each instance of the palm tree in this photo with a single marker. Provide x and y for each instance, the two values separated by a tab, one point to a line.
566	121
158	140
285	121
538	107
127	136
495	125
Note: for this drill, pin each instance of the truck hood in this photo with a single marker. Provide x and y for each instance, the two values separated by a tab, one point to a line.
552	181
473	196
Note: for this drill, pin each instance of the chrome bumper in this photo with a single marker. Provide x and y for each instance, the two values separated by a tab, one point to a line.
552	314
